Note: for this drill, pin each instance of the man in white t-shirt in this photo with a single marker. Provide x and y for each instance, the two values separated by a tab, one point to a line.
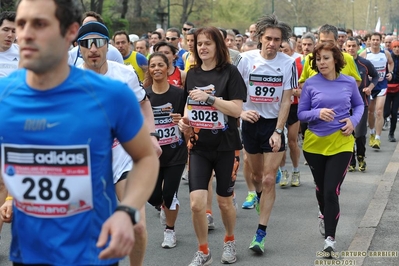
9	51
93	40
270	77
75	58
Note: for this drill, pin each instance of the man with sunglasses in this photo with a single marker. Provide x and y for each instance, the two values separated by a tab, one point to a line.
173	37
93	40
187	26
75	57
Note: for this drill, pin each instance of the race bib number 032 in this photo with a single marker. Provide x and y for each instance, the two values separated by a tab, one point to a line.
48	181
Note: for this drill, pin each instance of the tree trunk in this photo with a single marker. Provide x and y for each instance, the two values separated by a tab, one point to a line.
137	9
124	9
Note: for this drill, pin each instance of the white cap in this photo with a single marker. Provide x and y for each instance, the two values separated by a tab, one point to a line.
133	37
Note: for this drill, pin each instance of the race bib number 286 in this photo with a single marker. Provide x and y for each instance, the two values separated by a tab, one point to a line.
48	181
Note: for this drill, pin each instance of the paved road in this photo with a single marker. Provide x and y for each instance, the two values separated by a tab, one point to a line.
293	237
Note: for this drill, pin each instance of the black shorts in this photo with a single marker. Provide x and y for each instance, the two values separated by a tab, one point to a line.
201	164
256	136
293	115
123	177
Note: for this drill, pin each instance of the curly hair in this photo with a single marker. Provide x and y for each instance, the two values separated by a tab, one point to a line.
336	52
271	21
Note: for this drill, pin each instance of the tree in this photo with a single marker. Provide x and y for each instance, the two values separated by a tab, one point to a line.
97	6
7	5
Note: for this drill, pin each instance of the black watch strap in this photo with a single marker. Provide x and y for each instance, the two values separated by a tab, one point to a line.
155	134
132	212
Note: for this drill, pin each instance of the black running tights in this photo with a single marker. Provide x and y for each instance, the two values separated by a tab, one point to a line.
328	173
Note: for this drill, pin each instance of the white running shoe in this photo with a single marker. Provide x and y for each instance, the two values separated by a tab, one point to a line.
169	239
229	252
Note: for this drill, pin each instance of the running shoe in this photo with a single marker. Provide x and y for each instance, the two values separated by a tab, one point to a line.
200	259
235	202
329	247
250	200
321	225
362	163
351	168
284	179
391	138
169	239
371	141
257	205
229	252
376	144
258	242
184	176
211	224
278	175
295	179
386	124
162	216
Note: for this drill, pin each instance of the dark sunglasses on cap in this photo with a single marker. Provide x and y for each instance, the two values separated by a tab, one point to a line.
171	38
186	29
99	42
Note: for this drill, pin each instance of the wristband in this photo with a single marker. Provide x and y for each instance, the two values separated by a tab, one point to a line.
9	198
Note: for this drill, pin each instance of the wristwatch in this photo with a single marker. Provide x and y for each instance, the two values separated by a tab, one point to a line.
132	212
155	134
278	131
210	100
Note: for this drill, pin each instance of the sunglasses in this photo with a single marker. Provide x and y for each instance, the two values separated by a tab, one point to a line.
99	42
171	38
186	29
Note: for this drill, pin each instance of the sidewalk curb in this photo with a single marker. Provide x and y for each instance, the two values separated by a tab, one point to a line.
366	230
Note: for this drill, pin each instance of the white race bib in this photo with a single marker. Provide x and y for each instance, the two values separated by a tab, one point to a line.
48	181
202	115
265	88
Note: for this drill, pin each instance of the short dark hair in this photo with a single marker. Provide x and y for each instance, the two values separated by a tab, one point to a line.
67	12
337	55
353	39
121	32
163	43
157	33
222	52
377	34
224	32
158	54
176	30
93	14
189	23
7	15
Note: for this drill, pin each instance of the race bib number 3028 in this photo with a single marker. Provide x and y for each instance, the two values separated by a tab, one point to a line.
48	181
202	115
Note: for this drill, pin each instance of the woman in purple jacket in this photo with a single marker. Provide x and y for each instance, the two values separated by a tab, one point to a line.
326	101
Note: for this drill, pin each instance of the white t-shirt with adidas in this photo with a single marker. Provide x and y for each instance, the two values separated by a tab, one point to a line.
121	161
266	80
9	60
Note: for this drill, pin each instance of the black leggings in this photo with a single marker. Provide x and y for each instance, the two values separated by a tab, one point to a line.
328	173
391	108
167	185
